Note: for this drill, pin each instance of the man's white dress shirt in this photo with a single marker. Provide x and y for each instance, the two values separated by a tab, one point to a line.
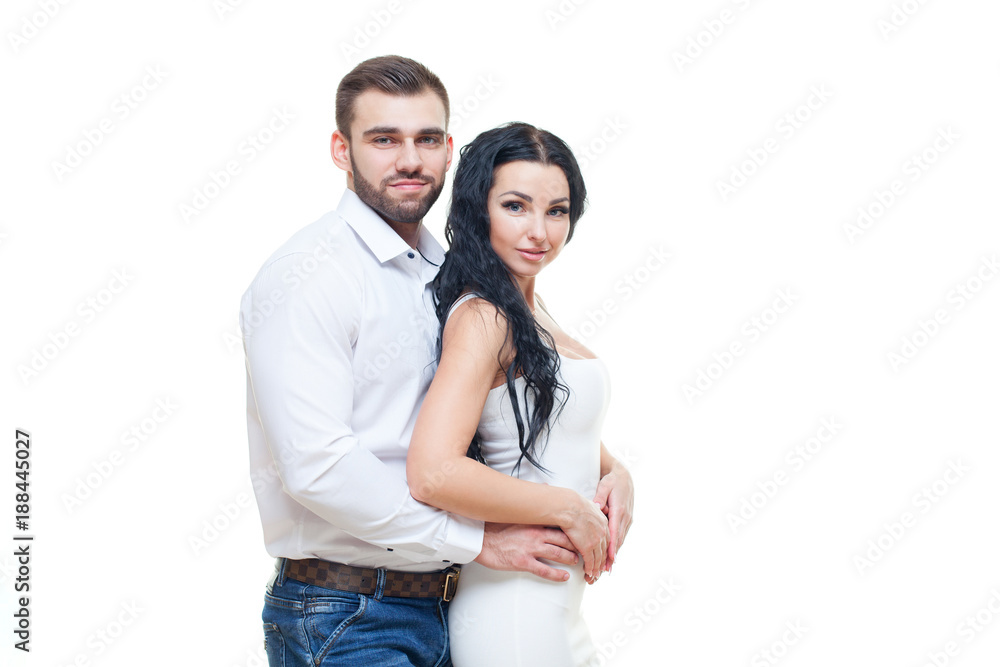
339	332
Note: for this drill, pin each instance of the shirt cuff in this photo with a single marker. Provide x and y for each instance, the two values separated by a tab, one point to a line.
464	542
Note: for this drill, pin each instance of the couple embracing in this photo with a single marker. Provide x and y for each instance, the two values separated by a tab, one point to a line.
425	439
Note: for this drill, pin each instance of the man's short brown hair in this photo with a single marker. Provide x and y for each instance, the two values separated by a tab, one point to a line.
393	75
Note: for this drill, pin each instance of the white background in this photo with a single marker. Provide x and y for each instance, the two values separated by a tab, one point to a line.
658	135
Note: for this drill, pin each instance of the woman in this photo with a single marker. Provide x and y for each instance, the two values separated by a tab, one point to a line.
528	397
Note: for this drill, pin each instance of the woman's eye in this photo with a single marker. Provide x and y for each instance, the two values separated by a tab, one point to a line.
558	211
513	206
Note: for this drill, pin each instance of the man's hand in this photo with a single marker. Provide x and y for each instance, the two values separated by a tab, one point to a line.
519	548
615	495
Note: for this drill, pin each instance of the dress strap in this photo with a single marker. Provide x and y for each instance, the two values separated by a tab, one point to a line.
460	300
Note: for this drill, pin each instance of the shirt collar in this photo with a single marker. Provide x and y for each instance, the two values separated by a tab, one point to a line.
380	238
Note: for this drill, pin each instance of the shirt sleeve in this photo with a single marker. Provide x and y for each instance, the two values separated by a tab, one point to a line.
298	332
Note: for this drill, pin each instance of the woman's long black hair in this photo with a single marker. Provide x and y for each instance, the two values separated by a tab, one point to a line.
472	265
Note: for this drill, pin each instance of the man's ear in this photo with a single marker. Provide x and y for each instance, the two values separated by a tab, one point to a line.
340	149
451	148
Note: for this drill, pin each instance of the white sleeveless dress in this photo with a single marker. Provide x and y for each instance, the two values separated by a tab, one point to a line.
514	619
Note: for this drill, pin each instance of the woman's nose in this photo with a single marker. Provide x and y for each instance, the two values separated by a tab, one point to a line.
536	228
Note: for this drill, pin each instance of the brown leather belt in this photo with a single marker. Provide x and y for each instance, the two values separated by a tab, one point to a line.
363	580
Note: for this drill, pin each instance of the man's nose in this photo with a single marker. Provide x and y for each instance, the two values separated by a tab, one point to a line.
408	158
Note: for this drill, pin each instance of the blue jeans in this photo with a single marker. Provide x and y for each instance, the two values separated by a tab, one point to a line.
310	626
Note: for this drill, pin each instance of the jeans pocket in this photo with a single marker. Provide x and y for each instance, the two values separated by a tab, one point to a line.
329	616
274	645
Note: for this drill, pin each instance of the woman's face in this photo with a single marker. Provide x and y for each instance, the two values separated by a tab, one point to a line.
528	207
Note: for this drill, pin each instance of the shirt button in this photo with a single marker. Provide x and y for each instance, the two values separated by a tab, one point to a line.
410	255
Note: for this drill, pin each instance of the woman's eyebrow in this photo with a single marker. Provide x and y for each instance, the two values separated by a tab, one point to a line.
519	194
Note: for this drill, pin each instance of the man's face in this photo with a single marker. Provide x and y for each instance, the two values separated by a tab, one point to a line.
398	153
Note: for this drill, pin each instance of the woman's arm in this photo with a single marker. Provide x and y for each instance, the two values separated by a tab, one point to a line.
440	474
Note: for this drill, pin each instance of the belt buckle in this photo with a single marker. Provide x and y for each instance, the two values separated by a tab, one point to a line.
451	583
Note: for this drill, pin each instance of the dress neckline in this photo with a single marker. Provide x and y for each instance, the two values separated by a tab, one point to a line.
521	377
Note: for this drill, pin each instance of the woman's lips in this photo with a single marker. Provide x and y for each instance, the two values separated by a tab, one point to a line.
532	254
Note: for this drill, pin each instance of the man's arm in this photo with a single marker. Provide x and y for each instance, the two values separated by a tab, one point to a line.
299	361
615	495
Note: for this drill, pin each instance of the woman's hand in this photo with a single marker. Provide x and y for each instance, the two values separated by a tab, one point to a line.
587	528
615	496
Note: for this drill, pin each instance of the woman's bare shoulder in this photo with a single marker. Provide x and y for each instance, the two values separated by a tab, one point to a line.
476	325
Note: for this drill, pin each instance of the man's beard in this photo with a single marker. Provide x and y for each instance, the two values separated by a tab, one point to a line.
409	211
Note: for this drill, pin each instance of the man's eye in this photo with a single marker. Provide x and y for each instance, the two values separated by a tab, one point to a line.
429	140
382	140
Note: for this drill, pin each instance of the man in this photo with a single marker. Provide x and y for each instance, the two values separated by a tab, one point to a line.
339	332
